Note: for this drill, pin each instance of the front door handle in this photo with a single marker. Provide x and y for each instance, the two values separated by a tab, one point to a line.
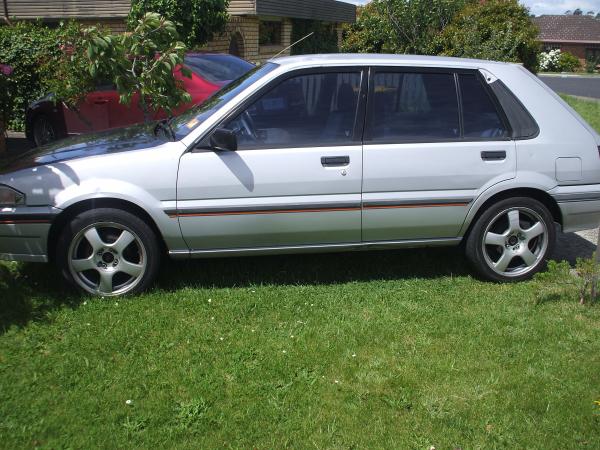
493	156
335	161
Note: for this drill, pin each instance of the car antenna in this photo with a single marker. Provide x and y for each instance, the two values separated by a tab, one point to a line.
297	42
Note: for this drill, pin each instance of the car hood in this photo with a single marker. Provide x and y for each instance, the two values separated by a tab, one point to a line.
111	141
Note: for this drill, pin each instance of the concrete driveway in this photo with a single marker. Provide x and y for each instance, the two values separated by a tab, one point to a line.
580	85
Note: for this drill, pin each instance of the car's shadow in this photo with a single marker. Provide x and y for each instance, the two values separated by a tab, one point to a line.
32	291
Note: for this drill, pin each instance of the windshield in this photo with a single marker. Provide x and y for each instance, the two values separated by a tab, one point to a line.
182	125
217	68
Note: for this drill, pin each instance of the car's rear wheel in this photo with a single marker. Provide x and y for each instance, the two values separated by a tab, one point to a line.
44	131
512	240
109	252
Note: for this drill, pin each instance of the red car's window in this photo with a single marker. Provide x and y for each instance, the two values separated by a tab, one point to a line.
217	68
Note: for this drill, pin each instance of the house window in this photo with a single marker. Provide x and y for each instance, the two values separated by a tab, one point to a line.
269	33
592	53
548	47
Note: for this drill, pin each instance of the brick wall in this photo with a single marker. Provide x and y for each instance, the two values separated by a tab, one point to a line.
266	52
244	26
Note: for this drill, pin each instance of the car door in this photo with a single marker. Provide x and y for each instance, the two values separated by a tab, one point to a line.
295	179
90	115
434	139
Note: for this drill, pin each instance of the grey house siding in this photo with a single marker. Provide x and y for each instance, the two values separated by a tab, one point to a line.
326	10
63	9
92	9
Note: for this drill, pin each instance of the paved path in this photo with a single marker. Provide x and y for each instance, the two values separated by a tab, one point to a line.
580	85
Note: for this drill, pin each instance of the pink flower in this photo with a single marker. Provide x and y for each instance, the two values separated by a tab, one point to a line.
5	69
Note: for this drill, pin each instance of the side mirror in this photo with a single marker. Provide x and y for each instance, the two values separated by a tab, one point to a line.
223	140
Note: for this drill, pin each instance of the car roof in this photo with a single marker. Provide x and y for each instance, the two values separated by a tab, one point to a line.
367	59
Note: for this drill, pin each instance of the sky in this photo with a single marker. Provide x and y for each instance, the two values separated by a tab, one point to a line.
539	7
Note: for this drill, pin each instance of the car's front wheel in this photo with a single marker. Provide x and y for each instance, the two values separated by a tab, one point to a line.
109	252
512	240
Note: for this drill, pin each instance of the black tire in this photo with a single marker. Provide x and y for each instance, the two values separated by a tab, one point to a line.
43	131
517	246
75	252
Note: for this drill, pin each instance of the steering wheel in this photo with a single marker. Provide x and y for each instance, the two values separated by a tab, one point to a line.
249	126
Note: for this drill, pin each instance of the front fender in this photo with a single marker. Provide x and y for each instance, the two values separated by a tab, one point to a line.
96	189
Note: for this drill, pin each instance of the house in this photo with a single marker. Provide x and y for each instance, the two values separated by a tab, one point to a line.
579	35
257	29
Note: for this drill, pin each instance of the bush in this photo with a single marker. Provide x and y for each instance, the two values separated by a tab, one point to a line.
568	62
558	61
548	61
499	30
196	20
324	39
27	48
560	281
591	65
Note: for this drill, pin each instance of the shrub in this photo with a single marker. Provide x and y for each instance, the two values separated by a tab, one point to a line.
196	20
27	48
558	61
499	30
591	65
548	61
568	62
562	281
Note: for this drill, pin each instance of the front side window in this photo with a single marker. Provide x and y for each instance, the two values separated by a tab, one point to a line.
304	111
480	116
410	106
185	123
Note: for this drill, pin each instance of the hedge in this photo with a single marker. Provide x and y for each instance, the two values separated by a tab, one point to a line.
29	48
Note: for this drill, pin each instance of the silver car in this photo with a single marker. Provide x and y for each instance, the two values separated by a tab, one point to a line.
310	154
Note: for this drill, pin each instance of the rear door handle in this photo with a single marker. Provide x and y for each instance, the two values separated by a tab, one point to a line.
493	156
335	161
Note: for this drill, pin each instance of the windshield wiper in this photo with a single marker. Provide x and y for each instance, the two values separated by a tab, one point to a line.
165	125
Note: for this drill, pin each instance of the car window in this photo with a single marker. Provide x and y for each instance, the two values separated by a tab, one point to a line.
411	106
183	124
480	116
217	68
303	111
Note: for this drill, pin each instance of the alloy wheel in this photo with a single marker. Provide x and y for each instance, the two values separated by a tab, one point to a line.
515	241
107	259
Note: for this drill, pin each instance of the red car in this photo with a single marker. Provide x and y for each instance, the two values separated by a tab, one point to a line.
47	121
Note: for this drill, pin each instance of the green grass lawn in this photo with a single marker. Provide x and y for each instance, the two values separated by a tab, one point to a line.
399	349
589	109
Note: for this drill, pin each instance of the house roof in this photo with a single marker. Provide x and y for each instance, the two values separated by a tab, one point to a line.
583	29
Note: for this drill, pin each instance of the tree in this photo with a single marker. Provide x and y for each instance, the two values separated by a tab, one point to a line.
139	63
401	26
578	12
499	30
369	33
196	20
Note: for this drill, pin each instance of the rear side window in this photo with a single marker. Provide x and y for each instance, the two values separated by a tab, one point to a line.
410	106
311	110
480	116
522	123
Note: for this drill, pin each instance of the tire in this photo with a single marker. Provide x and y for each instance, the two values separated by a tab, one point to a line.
43	131
512	240
108	252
